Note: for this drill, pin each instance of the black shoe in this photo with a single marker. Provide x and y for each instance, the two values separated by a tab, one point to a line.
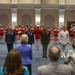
44	56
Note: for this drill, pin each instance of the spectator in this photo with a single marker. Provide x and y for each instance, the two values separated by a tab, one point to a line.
70	57
25	51
54	68
13	64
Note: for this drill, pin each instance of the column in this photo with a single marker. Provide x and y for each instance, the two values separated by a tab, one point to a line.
62	2
14	17
37	16
61	17
37	1
14	1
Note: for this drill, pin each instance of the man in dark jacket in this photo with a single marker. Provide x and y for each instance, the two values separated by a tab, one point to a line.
9	38
30	36
45	39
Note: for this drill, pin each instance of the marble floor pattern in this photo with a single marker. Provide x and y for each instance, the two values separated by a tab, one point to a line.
37	55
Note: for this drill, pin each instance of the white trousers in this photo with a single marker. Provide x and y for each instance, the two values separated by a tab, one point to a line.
37	43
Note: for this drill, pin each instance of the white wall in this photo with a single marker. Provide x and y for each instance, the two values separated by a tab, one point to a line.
61	2
26	1
50	1
70	2
4	1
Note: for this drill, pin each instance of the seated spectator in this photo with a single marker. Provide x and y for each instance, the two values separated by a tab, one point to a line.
13	64
54	68
70	57
25	50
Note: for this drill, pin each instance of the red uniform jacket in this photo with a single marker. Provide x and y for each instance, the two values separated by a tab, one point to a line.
71	32
56	32
6	28
22	30
32	29
16	31
1	31
37	33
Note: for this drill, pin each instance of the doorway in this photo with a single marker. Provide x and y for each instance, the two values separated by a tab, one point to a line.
70	24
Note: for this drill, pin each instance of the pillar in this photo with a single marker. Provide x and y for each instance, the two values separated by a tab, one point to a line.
14	17
61	17
37	16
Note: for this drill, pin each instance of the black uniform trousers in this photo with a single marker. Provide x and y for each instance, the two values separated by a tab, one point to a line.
9	47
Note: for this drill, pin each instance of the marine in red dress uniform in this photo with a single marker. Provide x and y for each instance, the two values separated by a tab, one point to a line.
16	33
37	33
32	29
22	29
56	31
71	34
1	33
19	31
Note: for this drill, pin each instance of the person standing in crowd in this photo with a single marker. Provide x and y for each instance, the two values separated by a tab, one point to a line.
6	28
71	34
54	68
16	34
37	32
61	29
25	50
50	29
1	33
56	31
19	31
63	37
70	57
30	36
13	64
32	29
45	39
22	29
9	38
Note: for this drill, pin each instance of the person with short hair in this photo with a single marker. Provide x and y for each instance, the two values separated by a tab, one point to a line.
30	36
45	39
25	51
71	34
13	64
1	33
9	38
54	68
37	33
56	31
63	38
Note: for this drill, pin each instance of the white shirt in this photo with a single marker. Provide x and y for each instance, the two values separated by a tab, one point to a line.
63	37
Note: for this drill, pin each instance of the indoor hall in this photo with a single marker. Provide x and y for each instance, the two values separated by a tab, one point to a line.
36	12
37	55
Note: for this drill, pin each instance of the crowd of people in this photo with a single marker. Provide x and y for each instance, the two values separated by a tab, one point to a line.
19	60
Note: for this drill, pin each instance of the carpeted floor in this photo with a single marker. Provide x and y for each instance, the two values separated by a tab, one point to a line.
37	55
